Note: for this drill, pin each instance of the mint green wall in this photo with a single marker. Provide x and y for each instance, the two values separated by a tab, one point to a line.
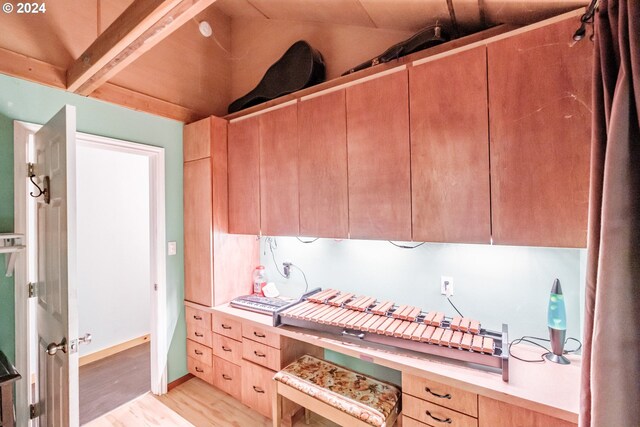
21	100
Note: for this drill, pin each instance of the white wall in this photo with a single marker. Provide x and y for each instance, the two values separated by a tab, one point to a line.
113	247
493	284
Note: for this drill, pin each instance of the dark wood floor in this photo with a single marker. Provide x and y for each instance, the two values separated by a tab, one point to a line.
113	381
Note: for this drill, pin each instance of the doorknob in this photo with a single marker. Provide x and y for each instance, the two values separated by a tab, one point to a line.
53	348
86	339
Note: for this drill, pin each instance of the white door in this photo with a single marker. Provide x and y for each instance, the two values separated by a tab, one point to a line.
57	324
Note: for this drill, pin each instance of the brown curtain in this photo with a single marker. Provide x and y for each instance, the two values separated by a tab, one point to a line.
611	358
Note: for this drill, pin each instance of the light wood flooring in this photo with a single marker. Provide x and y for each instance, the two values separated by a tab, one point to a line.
192	403
110	382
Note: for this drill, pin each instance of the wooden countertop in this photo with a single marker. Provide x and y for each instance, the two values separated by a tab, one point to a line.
547	387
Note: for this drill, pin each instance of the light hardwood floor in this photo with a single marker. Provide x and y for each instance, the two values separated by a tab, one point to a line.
192	403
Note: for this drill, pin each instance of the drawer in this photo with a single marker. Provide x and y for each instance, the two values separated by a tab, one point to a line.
441	394
228	377
200	370
261	334
261	354
434	415
203	336
410	422
226	348
257	388
227	326
198	318
199	352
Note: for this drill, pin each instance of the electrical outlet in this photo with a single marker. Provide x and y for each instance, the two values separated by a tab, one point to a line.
172	248
446	285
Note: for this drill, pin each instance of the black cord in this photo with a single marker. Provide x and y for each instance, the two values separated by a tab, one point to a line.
406	247
528	338
307	241
586	18
273	256
454	307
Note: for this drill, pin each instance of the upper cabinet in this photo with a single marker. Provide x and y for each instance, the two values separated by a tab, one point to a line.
539	108
279	172
218	266
450	149
322	170
379	161
244	176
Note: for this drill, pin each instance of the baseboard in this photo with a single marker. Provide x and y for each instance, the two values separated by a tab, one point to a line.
175	383
109	351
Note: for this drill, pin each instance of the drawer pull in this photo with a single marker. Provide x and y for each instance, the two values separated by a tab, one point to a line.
225	326
225	348
257	353
442	396
226	377
199	370
198	334
258	389
446	420
197	317
259	335
198	352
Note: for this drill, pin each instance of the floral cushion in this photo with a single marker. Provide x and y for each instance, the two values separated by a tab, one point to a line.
367	399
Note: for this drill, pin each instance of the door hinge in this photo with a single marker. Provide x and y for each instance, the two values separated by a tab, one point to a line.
33	290
155	286
33	411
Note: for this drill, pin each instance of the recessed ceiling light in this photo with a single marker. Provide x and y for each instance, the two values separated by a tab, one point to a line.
205	29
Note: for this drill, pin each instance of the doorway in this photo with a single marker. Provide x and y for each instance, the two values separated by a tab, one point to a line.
148	164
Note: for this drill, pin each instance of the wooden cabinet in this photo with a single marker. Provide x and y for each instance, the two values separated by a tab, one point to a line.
322	176
539	108
493	413
279	213
244	176
199	355
379	158
450	149
441	394
218	266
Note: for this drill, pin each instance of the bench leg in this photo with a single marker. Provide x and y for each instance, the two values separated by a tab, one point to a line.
276	414
307	416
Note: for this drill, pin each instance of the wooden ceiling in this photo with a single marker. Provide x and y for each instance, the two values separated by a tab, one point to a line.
407	15
168	68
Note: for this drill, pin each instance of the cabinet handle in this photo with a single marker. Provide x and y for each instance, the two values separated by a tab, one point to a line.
198	352
197	317
225	326
442	396
257	353
258	389
447	420
199	370
198	334
226	377
259	335
225	348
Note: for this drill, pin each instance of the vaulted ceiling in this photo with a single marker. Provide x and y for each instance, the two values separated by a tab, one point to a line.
186	76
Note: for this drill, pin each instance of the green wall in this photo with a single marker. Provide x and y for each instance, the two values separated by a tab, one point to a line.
30	102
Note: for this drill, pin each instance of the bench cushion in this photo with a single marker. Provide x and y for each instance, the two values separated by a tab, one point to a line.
365	398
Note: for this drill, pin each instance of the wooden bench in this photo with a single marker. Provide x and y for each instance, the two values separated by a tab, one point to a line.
336	393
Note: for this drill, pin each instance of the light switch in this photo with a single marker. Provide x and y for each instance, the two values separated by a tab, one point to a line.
172	248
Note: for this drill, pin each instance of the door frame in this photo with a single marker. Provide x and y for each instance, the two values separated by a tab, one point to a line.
24	211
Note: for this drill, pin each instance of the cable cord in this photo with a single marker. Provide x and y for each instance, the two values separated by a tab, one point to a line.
529	338
454	307
271	242
405	246
307	241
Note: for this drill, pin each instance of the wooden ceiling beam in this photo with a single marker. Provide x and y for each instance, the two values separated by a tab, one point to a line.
144	24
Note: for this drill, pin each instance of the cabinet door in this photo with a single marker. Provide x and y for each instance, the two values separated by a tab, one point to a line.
279	172
493	413
379	158
198	261
244	176
539	104
450	149
322	130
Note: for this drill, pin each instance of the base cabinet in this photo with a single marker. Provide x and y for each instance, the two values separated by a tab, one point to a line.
493	413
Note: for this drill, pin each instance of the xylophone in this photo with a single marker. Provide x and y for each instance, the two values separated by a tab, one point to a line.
400	326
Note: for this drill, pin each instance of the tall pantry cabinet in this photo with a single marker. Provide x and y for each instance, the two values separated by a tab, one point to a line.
218	265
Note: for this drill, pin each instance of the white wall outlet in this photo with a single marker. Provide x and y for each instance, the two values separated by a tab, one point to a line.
172	248
446	285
